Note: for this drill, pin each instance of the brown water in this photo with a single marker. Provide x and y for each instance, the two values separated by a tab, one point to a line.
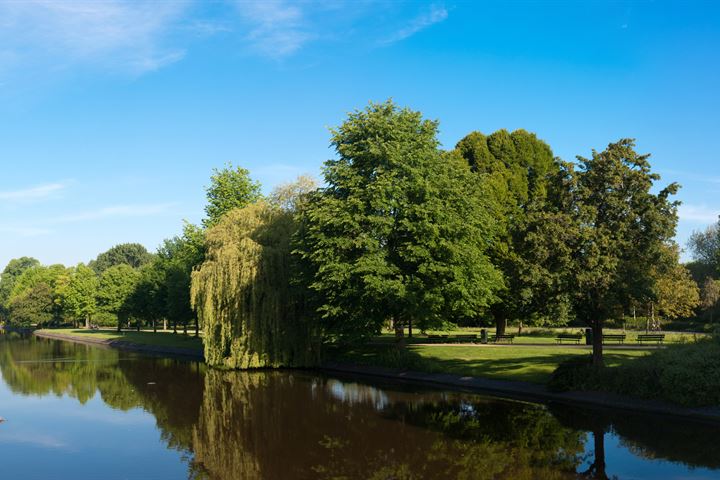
80	412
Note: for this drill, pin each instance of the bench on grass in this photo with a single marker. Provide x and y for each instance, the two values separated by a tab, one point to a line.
651	337
502	338
464	338
614	337
572	337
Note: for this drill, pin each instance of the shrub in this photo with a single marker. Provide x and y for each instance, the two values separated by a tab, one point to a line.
687	374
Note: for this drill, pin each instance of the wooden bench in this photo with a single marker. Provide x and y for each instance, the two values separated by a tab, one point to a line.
464	338
437	338
651	337
573	337
620	338
502	338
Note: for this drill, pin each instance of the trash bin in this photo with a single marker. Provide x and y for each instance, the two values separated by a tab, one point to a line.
588	336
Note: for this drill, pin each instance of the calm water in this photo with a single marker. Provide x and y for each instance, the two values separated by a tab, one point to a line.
81	412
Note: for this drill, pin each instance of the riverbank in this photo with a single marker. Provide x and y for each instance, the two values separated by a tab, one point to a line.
525	391
502	385
144	342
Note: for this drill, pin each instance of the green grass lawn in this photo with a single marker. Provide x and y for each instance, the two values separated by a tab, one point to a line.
523	363
165	339
532	336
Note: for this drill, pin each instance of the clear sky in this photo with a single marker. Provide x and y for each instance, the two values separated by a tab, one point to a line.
113	113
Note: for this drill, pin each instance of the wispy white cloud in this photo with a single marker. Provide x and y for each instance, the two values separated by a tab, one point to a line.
137	210
115	33
698	213
33	193
277	28
436	15
25	231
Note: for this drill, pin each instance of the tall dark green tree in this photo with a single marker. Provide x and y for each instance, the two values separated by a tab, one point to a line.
400	233
621	231
115	287
515	168
148	301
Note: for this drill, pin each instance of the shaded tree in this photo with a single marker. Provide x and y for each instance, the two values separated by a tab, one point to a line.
12	271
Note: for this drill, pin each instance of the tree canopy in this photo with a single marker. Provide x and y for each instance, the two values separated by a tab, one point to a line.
132	254
400	232
230	188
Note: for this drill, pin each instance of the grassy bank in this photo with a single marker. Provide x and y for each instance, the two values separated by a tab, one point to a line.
159	339
522	363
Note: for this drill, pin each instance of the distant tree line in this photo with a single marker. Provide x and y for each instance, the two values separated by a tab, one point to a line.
402	233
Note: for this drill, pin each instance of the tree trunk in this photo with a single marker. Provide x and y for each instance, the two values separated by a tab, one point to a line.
399	333
197	327
137	324
597	343
154	326
185	327
87	322
597	469
410	328
520	327
165	324
174	326
500	324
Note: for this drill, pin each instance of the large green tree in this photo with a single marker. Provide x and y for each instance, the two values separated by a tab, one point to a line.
622	230
400	233
514	167
230	187
148	300
251	314
116	285
132	254
12	271
79	294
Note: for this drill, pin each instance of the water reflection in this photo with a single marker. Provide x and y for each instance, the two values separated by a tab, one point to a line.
232	425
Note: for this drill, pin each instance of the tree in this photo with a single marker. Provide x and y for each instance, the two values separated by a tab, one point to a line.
400	232
117	283
515	167
621	231
178	256
705	246
12	272
132	254
148	300
230	187
31	280
34	306
251	315
80	292
292	196
676	292
710	295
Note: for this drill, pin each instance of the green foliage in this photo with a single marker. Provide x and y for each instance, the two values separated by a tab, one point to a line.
252	317
294	195
229	188
687	374
132	254
400	232
10	274
148	301
116	286
34	306
79	295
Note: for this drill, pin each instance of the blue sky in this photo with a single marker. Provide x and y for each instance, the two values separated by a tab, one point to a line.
113	114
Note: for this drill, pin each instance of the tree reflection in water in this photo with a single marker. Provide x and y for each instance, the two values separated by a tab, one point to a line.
301	425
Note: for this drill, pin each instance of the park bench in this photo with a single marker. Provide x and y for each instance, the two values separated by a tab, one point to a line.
437	338
651	337
464	338
573	337
613	337
503	338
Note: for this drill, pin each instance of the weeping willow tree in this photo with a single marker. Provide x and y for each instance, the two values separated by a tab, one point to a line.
252	316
